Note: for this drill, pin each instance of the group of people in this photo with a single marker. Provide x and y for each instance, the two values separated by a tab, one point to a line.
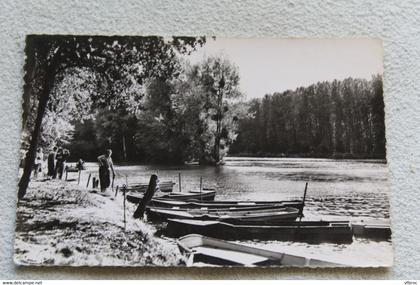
56	162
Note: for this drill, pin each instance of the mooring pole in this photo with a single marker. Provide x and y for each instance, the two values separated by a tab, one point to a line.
179	181
124	209
303	204
147	197
87	184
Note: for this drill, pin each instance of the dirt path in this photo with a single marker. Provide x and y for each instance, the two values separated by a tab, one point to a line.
59	223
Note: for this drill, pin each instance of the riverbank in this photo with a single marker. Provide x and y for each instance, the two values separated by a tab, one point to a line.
60	223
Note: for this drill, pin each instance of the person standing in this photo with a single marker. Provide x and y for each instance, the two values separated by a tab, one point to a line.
38	162
61	162
58	157
51	162
105	167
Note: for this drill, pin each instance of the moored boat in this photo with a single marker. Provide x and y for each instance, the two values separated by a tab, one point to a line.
164	186
263	215
205	195
375	231
205	210
205	250
309	231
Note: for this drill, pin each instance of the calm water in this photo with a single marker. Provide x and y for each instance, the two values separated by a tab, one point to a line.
338	189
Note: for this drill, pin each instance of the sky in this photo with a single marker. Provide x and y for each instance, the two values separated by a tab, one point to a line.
268	65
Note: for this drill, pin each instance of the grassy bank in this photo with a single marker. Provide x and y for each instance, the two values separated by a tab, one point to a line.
59	223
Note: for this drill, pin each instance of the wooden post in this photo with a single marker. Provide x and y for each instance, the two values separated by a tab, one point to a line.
78	179
94	182
125	222
66	173
148	195
112	184
179	181
87	184
126	180
303	204
201	186
201	183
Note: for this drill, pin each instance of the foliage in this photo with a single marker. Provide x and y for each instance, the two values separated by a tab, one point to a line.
120	62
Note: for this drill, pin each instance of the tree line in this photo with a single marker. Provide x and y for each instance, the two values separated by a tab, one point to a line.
339	119
140	97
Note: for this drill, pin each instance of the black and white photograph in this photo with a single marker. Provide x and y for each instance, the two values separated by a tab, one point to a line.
202	151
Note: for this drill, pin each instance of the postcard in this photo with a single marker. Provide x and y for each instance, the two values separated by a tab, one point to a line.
203	151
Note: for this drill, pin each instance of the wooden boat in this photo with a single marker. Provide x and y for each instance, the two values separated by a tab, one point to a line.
308	231
165	186
205	195
200	249
264	215
170	203
205	210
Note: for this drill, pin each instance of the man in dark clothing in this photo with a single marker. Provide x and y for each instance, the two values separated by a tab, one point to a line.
57	159
51	162
61	162
105	167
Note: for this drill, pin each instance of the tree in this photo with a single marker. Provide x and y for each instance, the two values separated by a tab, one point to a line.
111	57
218	81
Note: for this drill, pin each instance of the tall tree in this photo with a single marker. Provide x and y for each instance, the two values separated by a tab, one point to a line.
219	81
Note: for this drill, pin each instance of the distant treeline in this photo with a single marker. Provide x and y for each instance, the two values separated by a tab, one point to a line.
340	119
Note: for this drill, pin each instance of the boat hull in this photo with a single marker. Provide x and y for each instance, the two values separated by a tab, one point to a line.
204	196
165	187
265	215
169	203
201	249
309	232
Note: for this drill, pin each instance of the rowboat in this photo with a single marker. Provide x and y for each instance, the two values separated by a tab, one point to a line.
309	231
376	231
204	195
205	250
165	186
265	215
205	210
169	203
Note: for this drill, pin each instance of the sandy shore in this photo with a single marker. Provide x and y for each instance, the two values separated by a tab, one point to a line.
60	223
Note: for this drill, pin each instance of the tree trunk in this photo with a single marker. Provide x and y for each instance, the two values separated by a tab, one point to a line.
216	152
30	155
